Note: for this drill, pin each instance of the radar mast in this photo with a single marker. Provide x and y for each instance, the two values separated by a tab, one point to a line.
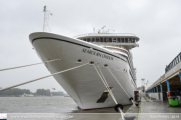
46	18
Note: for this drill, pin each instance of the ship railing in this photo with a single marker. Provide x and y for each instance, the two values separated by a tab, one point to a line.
97	34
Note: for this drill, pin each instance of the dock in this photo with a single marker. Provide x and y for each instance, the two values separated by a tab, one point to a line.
150	109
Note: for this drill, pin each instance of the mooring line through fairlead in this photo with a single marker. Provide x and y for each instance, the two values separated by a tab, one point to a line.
109	90
121	86
30	64
43	77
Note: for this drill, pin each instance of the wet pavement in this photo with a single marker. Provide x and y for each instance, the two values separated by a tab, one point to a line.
152	106
157	110
148	110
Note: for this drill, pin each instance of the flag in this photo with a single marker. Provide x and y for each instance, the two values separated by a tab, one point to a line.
53	88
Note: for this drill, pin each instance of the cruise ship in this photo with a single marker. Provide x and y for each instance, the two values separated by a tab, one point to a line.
83	84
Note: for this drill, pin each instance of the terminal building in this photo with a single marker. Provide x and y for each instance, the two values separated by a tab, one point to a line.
170	81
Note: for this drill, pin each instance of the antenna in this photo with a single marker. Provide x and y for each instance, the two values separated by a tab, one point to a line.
94	30
46	18
103	28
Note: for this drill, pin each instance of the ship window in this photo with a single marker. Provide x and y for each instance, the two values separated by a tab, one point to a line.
130	40
97	39
118	40
110	39
93	39
88	39
133	40
114	39
126	40
101	39
84	39
122	40
106	39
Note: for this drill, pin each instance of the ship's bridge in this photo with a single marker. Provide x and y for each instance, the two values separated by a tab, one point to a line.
126	40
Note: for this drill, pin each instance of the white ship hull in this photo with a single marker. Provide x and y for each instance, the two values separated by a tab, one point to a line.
84	84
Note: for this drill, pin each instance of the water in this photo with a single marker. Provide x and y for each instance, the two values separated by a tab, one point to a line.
49	105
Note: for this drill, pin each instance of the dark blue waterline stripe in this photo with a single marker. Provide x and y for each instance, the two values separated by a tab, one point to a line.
77	44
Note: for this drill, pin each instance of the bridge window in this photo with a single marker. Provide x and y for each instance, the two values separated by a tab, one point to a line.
97	39
88	39
110	39
114	40
122	40
105	39
133	40
126	40
93	39
84	39
118	40
101	40
130	40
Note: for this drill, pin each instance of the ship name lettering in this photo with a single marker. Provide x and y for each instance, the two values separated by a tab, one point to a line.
97	54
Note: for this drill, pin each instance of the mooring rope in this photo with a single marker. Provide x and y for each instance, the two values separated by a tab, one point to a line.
109	90
121	86
30	64
42	77
106	85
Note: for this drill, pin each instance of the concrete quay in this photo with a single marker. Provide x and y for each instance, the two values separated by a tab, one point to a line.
154	110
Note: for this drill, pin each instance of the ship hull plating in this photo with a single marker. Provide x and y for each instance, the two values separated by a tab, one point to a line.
84	84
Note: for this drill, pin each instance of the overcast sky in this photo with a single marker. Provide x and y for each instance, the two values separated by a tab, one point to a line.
156	22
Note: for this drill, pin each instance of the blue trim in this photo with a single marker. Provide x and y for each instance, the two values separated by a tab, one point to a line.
179	74
161	88
168	85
